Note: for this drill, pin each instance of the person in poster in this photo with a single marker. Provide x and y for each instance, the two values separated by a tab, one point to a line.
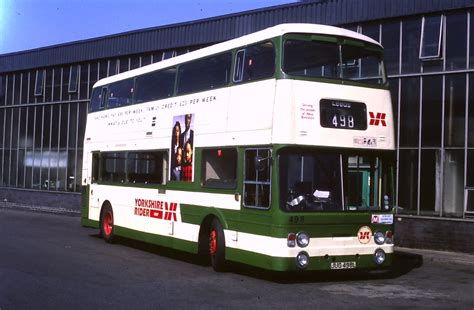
188	134
182	147
176	152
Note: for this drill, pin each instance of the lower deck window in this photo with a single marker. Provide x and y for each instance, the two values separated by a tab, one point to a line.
132	167
219	168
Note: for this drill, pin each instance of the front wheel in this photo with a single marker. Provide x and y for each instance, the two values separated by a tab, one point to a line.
217	246
107	224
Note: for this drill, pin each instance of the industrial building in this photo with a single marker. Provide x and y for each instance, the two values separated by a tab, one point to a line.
429	54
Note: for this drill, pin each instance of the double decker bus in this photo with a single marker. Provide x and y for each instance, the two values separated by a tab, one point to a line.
275	149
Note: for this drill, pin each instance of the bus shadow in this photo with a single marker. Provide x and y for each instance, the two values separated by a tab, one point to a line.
403	263
158	250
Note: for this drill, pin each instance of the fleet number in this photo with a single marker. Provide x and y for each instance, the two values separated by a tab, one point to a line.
345	121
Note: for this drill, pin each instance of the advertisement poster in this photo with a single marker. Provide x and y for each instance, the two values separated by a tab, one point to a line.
182	148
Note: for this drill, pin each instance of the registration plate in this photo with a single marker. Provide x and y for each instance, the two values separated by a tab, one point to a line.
343	265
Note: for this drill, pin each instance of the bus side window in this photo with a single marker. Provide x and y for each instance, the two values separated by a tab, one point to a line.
219	168
257	178
95	167
113	167
239	66
205	74
120	93
258	62
103	98
98	99
147	167
155	85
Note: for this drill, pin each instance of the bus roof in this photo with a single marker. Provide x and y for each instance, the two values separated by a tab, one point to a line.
255	37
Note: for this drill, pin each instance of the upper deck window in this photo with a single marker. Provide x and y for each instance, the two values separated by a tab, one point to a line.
98	99
204	74
333	58
155	85
120	93
255	62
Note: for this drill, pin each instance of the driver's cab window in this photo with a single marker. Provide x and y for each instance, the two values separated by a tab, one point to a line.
257	179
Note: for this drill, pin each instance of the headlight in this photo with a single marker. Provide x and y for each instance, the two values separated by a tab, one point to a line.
302	260
302	239
379	238
379	256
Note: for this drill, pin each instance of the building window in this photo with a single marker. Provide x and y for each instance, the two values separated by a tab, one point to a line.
257	178
453	183
455	110
219	168
432	108
408	188
124	64
471	45
39	84
470	170
168	55
113	67
411	34
470	115
409	112
456	41
470	201
372	31
391	44
73	78
2	92
430	183
431	37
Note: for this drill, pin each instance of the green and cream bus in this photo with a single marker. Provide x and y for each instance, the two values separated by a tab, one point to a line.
274	149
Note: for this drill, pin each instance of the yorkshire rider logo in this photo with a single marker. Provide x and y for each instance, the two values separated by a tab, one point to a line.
377	118
364	234
161	210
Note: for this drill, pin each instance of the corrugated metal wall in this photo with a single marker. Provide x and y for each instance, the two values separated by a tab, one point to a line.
208	31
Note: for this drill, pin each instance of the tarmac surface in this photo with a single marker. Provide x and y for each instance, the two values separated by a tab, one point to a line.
50	261
427	254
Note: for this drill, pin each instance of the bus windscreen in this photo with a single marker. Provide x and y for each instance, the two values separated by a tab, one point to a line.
331	181
334	59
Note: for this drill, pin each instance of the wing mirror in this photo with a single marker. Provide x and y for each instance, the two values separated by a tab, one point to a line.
259	162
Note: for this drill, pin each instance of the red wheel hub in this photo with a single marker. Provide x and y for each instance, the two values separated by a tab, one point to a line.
213	242
108	223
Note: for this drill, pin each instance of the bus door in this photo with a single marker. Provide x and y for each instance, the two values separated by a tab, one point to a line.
256	191
93	199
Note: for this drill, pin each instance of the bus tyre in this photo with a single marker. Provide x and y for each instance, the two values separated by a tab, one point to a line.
217	246
107	224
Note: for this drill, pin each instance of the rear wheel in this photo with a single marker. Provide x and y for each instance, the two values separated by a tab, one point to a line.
217	246
107	224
